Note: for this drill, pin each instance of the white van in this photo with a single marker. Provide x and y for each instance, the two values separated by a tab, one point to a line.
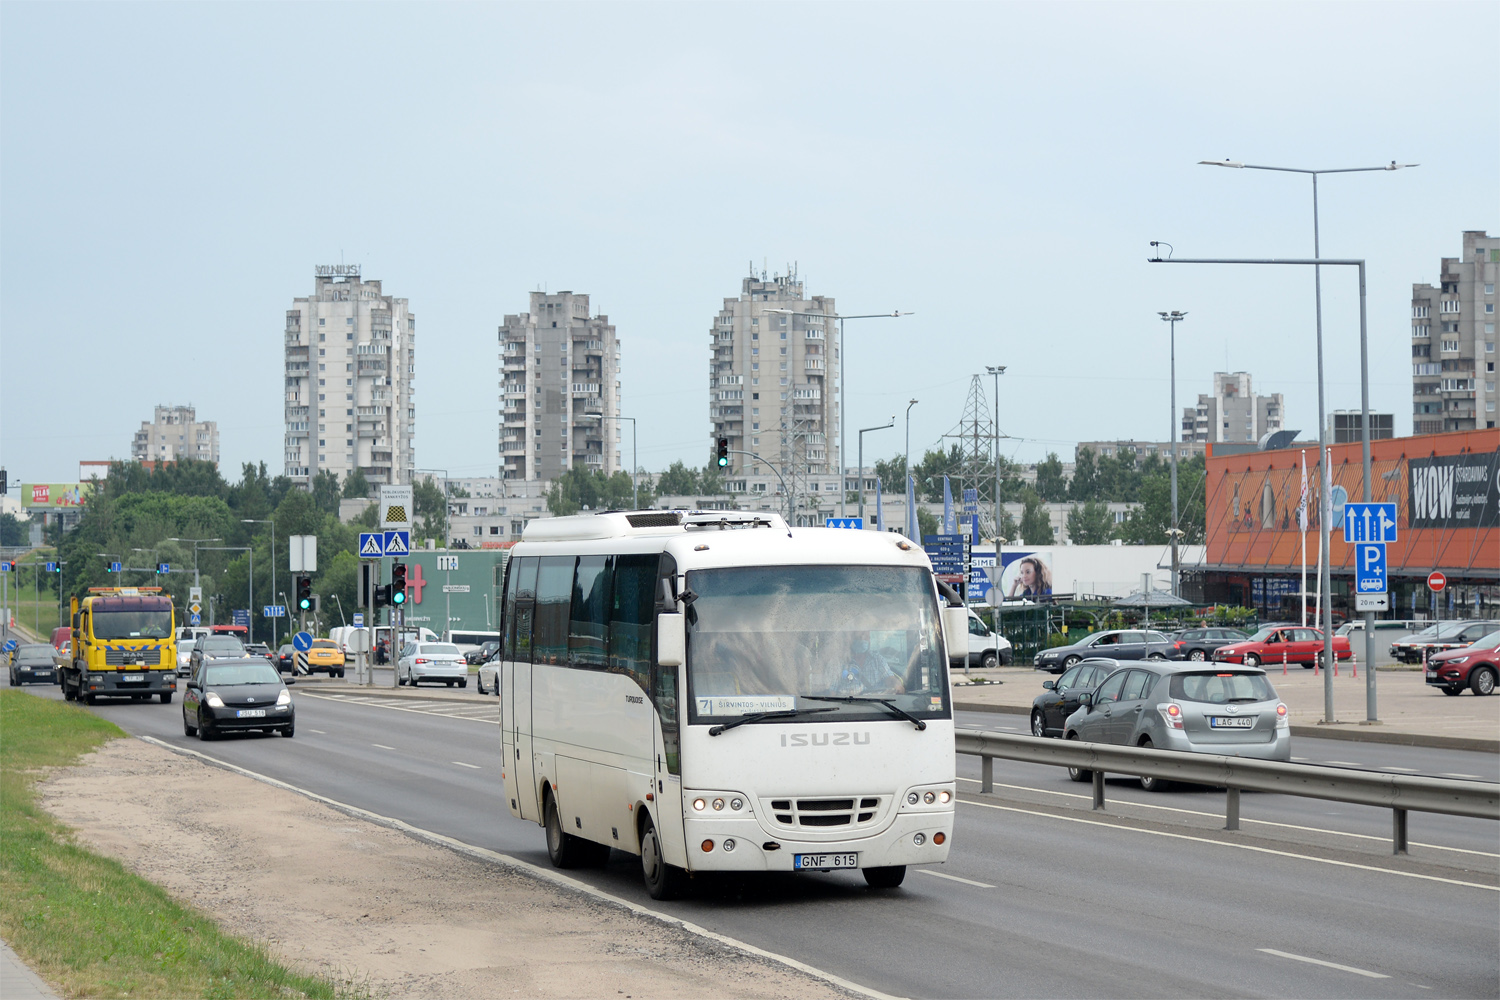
986	648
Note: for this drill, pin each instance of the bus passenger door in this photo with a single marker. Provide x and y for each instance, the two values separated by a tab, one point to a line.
516	695
667	763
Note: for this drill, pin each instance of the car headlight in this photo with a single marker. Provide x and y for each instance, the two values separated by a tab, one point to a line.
213	700
284	698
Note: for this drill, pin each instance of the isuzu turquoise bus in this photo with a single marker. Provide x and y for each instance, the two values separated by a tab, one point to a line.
715	692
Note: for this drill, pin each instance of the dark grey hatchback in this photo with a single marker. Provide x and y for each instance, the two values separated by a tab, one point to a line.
237	695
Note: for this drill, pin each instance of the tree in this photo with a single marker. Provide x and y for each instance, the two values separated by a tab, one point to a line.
326	491
432	508
1090	524
1085	483
678	481
1119	479
1148	523
927	523
11	532
1036	526
356	485
1050	484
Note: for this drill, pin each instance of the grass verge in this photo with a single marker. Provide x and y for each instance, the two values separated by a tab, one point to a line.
83	921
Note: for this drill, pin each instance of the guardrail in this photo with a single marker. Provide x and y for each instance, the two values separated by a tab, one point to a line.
1400	793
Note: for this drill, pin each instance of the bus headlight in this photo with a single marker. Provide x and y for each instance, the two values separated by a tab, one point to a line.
913	799
919	839
699	805
718	805
729	844
736	804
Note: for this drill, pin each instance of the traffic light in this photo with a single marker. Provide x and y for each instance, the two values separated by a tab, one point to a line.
304	593
723	453
382	596
398	583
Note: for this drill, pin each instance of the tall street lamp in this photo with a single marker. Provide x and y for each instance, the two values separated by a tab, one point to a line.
997	371
911	515
1174	317
843	419
251	520
635	491
862	433
1364	389
250	588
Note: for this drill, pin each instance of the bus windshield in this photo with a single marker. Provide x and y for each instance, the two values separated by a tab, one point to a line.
773	638
132	624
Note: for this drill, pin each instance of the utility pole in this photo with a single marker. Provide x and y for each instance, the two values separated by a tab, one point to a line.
1174	317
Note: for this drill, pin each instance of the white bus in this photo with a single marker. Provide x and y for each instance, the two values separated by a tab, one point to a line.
468	640
714	692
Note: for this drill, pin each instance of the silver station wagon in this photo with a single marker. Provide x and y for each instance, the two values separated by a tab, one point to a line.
1222	709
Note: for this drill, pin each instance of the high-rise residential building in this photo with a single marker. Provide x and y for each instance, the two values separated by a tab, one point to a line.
559	390
1453	342
1233	412
350	363
773	380
176	433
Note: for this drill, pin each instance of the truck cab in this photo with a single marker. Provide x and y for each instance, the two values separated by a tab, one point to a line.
123	646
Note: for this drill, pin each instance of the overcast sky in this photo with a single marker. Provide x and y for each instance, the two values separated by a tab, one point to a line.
171	173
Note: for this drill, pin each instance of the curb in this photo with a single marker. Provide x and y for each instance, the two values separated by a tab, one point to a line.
1356	732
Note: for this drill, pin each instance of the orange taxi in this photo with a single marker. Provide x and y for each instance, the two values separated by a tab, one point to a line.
325	654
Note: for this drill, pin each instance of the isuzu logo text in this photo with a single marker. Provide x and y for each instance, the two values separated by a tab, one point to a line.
824	739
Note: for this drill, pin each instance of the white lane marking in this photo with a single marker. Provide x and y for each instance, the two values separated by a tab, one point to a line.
1343	763
1450	774
373	703
462	764
1230	844
955	878
382	746
1220	815
1408	770
544	874
1329	965
318	731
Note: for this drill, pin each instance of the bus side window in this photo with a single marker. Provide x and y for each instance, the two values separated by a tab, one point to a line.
554	592
520	599
664	679
631	616
588	619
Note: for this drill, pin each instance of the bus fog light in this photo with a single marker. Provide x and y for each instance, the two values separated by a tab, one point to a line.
718	805
707	845
945	796
912	799
929	798
699	804
939	838
919	839
729	844
736	804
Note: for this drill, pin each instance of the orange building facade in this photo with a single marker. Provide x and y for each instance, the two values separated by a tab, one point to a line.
1446	488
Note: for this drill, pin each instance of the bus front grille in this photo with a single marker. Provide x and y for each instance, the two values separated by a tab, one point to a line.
825	813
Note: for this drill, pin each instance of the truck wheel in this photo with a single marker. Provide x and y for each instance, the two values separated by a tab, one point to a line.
69	693
166	697
988	661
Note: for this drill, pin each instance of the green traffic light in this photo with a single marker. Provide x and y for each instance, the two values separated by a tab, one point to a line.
399	597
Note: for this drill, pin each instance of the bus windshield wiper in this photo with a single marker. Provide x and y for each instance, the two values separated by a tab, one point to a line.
886	702
759	716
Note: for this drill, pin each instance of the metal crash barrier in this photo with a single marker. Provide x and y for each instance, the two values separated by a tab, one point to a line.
1400	793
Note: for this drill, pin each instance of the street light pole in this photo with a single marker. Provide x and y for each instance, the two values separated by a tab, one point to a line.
1174	317
862	463
911	515
996	371
1325	505
1368	490
247	520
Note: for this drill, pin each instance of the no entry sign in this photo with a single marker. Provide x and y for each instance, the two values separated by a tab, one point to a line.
1436	581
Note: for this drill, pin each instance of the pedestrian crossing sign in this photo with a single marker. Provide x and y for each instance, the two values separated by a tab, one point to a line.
371	544
397	543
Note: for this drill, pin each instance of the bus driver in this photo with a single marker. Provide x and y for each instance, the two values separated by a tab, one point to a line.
866	671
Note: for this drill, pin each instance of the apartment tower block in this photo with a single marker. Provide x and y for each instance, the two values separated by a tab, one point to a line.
773	379
559	390
350	364
1453	342
176	433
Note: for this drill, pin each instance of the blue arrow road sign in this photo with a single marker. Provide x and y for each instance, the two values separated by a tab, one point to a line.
273	611
1369	522
114	567
371	544
10	644
397	543
857	523
302	642
52	567
164	567
1369	568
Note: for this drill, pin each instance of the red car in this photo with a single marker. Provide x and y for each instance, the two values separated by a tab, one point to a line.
1475	667
1275	644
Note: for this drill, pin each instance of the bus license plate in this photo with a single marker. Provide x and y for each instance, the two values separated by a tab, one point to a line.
1223	722
801	861
250	713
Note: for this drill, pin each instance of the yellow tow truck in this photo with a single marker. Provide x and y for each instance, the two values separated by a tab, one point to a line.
123	646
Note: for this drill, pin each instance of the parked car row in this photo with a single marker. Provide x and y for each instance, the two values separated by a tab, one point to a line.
1439	638
1476	667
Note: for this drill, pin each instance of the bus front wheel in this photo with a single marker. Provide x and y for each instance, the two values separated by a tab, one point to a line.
663	881
887	877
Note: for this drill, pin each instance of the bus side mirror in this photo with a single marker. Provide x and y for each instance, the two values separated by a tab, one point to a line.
956	632
671	640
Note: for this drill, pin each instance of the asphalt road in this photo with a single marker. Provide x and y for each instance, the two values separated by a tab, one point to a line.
1041	897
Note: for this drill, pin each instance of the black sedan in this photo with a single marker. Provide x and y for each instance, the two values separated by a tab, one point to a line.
482	654
237	695
32	661
1200	643
1116	644
286	659
1051	708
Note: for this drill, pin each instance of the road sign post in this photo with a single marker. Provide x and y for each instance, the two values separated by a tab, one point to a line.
1436	581
1370	522
1369	568
857	523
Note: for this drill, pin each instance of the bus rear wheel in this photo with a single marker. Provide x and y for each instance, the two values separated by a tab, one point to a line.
663	881
565	850
887	877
